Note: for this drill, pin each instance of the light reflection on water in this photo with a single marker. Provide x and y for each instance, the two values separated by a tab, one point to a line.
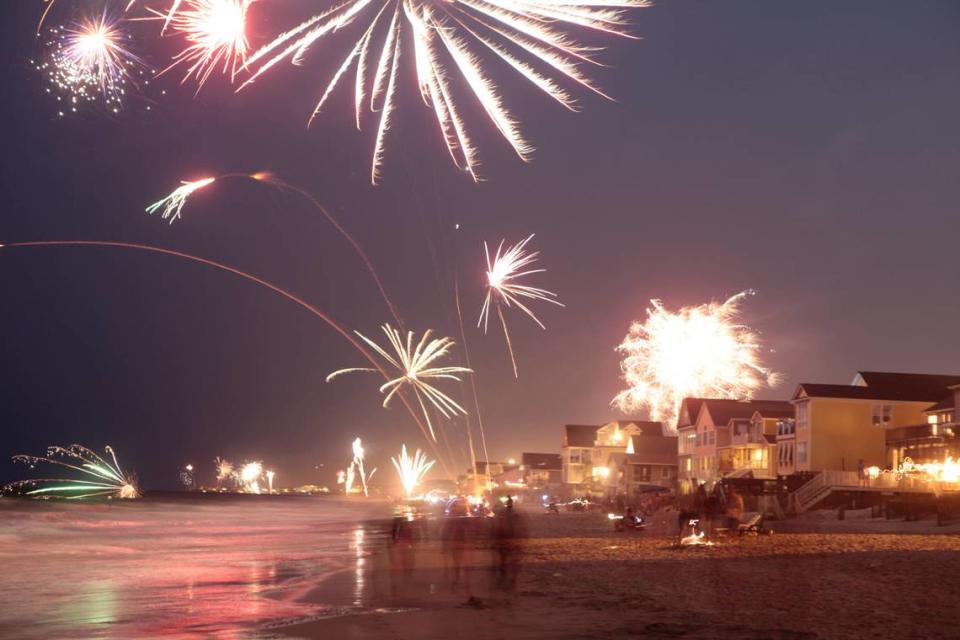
171	568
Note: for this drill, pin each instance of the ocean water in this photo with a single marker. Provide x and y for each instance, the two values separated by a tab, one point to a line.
190	566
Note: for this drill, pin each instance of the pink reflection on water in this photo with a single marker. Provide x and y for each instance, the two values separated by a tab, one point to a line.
171	568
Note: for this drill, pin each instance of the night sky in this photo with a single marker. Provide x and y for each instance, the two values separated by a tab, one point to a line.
808	150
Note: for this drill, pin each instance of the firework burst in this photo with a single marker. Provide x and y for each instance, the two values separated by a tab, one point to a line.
250	476
505	271
357	470
172	204
415	364
100	477
225	470
216	36
528	36
411	469
696	352
89	62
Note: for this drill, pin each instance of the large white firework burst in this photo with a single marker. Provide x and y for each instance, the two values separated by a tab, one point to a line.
448	37
699	351
415	364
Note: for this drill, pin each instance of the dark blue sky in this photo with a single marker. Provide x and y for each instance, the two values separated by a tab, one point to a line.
807	150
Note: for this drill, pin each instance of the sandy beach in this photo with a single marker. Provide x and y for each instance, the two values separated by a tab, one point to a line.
581	580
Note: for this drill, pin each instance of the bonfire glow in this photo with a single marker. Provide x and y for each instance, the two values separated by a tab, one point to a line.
695	352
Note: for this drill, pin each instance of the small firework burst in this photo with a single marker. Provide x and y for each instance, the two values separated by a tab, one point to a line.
415	363
216	36
89	62
411	469
173	203
98	477
505	271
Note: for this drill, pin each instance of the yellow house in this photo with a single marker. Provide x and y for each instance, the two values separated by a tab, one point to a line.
841	427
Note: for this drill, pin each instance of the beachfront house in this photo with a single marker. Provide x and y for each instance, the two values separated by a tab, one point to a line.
736	438
613	458
878	419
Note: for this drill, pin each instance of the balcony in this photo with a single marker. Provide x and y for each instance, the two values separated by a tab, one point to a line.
901	436
746	438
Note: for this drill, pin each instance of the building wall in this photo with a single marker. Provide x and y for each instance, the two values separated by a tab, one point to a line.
841	432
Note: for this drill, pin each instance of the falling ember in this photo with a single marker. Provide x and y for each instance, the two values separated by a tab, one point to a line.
505	271
89	62
100	477
446	36
411	469
173	204
216	36
413	363
696	352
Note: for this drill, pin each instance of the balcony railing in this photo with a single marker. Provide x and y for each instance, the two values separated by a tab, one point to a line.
901	435
748	438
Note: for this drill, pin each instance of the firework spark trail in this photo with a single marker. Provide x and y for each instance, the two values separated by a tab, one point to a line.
108	478
50	4
473	383
697	351
504	273
250	475
411	469
357	463
359	346
443	35
216	35
225	470
414	366
172	207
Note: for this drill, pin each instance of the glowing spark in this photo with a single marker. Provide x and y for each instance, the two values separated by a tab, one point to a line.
250	476
101	477
411	469
414	366
522	34
224	470
696	352
216	33
89	62
172	204
504	271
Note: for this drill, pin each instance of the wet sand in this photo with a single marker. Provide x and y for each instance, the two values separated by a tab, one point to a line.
581	580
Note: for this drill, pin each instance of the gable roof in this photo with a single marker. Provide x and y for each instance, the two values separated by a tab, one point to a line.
944	405
915	385
907	393
542	461
579	435
723	410
692	408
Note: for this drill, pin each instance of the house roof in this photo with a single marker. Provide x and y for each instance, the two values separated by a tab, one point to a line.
579	435
648	428
654	450
944	405
542	461
723	411
904	394
692	406
916	385
506	467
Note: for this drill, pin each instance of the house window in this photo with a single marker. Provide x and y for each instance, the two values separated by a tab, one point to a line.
933	419
803	415
665	472
713	437
801	453
574	456
882	415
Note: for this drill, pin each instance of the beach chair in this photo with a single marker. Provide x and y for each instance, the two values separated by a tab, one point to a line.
752	523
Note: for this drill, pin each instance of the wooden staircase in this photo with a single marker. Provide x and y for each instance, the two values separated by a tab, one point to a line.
819	487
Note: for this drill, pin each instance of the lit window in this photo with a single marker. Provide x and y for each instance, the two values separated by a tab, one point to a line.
932	419
882	414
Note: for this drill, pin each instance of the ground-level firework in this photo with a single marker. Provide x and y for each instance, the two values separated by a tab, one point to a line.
699	352
93	476
411	469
